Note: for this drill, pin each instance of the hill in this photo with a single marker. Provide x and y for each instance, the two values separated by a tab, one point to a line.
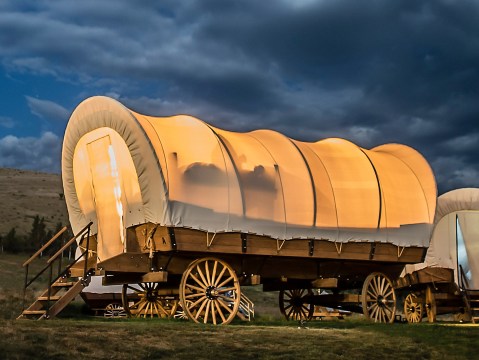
25	194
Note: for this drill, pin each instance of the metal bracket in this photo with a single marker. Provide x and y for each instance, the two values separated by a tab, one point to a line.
149	243
311	247
339	248
171	233
278	246
243	242
372	251
208	241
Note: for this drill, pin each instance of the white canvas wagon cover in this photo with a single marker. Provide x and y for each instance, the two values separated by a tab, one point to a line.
121	169
455	238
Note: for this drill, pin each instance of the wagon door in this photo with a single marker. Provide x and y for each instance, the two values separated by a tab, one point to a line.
108	197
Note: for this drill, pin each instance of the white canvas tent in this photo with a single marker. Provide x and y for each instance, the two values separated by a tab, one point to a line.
121	169
455	239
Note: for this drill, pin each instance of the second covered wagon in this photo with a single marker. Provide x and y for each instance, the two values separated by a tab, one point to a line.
186	209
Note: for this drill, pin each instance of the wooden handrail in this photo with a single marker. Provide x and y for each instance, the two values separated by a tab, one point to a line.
34	256
71	241
64	247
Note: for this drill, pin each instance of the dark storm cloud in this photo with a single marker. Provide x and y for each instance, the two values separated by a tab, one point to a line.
47	109
42	153
375	72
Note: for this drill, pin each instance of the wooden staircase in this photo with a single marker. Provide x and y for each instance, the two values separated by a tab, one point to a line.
246	308
62	287
471	298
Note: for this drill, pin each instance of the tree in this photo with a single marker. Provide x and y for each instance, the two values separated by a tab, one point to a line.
38	233
12	243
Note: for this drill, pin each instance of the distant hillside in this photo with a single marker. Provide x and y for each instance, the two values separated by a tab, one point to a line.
24	194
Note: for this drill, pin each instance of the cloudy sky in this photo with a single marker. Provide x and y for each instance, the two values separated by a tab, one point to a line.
372	72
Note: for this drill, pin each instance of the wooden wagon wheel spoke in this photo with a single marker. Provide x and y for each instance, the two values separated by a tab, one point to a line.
202	276
202	285
114	310
371	294
213	312
225	282
201	308
413	308
223	290
207	311
213	289
192	296
207	268
388	294
288	314
213	273
222	303
193	305
292	305
219	311
219	277
196	288
144	300
378	298
160	308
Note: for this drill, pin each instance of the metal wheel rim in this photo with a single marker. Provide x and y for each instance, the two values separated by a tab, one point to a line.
378	298
413	309
210	292
292	306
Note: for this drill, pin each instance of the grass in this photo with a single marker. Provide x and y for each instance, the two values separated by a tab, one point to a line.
75	335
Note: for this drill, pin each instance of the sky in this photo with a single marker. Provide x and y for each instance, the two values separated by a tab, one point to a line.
375	72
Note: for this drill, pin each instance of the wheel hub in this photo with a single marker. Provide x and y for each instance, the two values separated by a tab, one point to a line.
297	302
151	295
381	301
211	292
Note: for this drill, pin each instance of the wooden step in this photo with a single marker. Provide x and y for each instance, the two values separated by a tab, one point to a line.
63	284
66	298
52	298
472	293
34	312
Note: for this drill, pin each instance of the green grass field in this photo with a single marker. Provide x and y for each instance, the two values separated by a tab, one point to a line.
77	335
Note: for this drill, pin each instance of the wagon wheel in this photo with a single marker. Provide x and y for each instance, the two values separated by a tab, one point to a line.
462	315
413	308
430	305
210	292
170	304
292	306
114	310
143	300
378	298
180	313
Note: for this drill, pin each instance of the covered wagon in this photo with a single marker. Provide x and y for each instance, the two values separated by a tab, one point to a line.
447	282
188	210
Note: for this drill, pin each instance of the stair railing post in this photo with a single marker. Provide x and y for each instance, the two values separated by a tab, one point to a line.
61	256
49	291
25	287
87	253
